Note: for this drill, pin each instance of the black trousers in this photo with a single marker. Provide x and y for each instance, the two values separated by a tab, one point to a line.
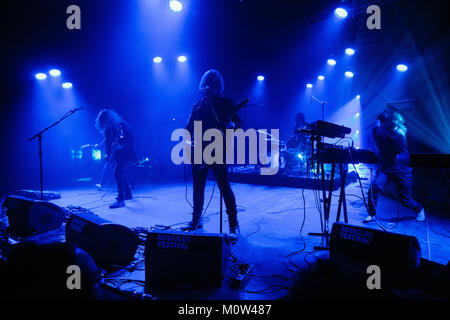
403	183
220	171
123	186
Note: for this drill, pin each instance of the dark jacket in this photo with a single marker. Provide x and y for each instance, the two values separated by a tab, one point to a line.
393	154
119	142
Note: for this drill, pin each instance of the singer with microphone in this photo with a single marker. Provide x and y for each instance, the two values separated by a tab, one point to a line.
119	142
392	149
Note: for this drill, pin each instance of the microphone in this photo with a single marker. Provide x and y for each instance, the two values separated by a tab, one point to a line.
76	109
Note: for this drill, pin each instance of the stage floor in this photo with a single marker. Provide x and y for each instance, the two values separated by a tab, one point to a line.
270	220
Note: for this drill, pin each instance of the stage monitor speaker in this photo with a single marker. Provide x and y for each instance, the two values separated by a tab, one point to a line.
108	243
397	255
184	259
27	216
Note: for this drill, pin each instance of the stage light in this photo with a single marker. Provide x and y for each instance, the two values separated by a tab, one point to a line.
402	67
67	85
309	85
55	73
349	74
157	59
182	59
356	115
41	76
349	51
260	78
300	156
321	77
358	96
340	13
96	154
331	62
175	5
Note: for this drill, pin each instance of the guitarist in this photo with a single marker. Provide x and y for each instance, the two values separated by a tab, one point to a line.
119	142
215	111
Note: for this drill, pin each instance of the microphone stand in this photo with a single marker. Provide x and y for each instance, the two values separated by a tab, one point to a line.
323	103
39	136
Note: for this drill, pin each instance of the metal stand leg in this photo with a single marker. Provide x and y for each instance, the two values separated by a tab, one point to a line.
221	211
41	168
326	206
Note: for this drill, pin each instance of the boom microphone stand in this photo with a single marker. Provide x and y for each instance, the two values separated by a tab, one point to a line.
39	136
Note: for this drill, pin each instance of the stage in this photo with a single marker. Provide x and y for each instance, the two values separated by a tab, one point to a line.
270	219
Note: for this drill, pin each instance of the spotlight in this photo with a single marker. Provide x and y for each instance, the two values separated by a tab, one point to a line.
321	77
67	85
340	13
41	76
402	67
96	154
260	78
309	85
157	59
175	5
300	156
356	115
358	96
182	59
349	51
349	74
331	62
55	73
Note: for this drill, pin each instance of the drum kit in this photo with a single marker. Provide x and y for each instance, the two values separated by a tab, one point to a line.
291	157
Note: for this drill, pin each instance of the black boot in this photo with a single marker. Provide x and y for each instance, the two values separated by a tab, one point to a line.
117	204
195	224
233	224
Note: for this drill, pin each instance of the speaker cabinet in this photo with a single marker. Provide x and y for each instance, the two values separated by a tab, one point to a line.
184	259
108	243
27	217
397	255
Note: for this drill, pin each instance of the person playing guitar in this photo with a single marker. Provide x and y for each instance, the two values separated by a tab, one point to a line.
215	111
119	142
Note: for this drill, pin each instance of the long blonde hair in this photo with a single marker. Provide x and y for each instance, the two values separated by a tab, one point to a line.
105	118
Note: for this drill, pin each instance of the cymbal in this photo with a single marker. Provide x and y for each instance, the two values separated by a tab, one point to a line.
264	132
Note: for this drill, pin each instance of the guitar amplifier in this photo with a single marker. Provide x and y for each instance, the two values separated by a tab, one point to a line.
108	243
184	259
27	216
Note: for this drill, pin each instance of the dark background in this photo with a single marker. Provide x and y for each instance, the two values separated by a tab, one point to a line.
109	62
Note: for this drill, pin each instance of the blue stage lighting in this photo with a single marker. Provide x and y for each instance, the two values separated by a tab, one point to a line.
54	73
340	13
321	77
358	96
260	78
67	85
402	67
182	59
349	51
331	62
300	156
41	76
356	115
157	59
309	85
349	74
175	5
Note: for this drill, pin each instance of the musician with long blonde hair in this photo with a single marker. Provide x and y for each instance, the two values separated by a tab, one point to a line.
119	142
